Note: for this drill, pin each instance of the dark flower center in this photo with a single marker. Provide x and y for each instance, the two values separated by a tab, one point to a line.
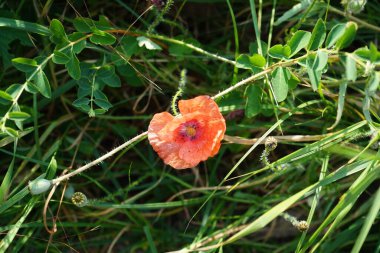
190	130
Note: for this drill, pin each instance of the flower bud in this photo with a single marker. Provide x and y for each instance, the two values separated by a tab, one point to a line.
369	67
356	6
39	186
69	191
302	226
158	3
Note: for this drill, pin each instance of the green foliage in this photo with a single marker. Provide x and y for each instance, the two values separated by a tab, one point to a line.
12	31
366	54
299	40
280	51
25	64
18	115
351	70
280	78
41	82
317	36
180	50
5	98
102	38
347	37
58	35
316	65
341	35
255	62
253	101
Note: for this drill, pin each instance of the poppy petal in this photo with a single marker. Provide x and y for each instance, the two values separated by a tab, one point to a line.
195	152
169	153
159	121
200	104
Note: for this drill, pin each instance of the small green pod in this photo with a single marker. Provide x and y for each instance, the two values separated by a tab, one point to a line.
69	191
39	186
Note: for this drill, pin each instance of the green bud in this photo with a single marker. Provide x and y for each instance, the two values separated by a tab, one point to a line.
39	186
354	6
69	191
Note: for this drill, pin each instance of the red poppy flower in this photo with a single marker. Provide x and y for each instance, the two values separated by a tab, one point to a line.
191	137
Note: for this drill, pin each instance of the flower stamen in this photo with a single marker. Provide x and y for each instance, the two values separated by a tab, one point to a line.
191	131
188	130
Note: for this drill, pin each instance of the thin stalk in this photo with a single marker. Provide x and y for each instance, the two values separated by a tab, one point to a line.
272	97
327	10
196	49
271	28
255	25
279	139
315	200
357	20
100	159
236	36
298	25
160	16
35	122
174	41
260	14
261	74
368	223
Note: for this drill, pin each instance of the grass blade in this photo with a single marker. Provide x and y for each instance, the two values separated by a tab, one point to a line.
370	219
25	26
315	201
274	212
7	240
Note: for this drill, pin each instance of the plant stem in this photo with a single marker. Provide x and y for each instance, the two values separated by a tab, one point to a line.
357	20
260	74
35	123
100	159
160	16
236	70
196	49
255	25
280	139
174	41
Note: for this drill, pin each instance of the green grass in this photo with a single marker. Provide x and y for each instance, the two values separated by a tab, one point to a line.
84	126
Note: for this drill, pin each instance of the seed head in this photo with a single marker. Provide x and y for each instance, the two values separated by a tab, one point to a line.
270	143
302	226
79	199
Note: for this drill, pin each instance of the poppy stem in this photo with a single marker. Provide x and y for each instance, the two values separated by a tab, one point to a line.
174	102
160	14
182	83
102	158
270	145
